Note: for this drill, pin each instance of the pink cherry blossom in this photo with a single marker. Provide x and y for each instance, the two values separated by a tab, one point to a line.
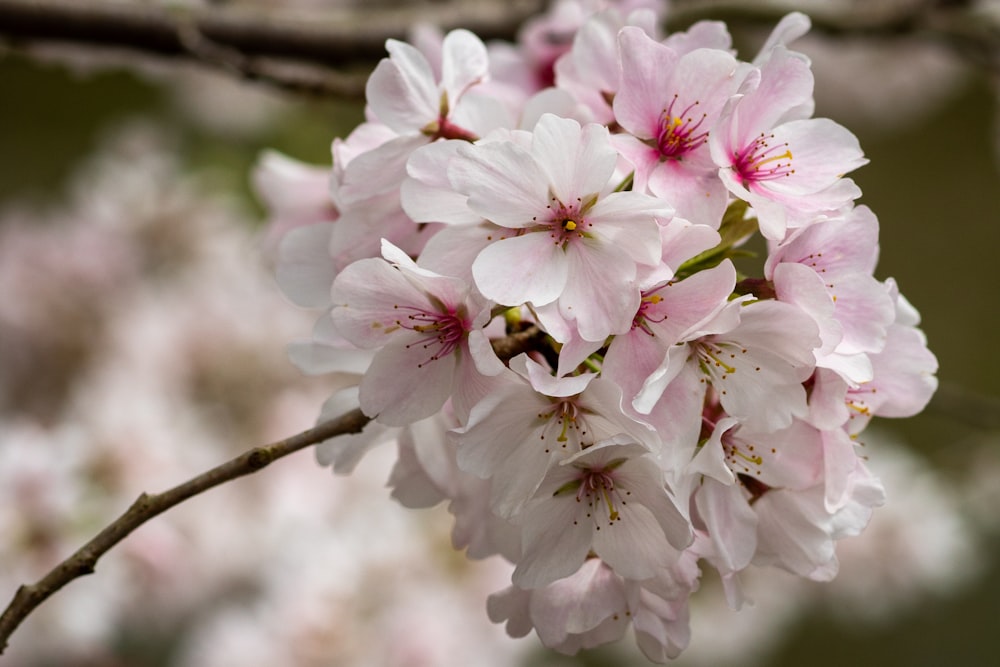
591	70
796	531
610	499
296	195
755	356
566	238
583	610
426	329
410	106
669	103
902	383
666	313
404	94
842	250
595	605
659	608
904	371
772	155
517	432
732	468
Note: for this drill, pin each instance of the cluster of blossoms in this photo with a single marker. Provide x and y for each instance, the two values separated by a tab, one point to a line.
530	250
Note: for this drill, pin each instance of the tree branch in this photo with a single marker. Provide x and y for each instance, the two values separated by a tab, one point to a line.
964	26
329	51
511	345
976	410
147	506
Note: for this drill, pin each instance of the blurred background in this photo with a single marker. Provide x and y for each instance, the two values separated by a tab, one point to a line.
142	341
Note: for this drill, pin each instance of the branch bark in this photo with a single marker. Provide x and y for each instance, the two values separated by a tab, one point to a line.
147	506
332	51
337	36
969	28
317	51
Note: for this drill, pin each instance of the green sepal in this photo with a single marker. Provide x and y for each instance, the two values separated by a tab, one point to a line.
735	229
569	487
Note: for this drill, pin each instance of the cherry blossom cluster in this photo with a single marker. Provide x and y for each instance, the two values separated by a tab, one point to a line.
528	277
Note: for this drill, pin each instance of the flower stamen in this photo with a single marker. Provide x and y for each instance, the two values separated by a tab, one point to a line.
678	134
760	161
445	331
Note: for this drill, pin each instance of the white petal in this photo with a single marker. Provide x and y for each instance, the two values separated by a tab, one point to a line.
556	542
403	385
401	91
464	63
426	194
305	270
503	181
634	546
578	161
731	523
516	270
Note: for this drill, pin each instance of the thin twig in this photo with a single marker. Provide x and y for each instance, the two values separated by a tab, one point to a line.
977	410
514	344
147	506
969	29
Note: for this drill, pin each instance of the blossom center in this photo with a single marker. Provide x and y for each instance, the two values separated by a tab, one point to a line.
599	485
443	128
719	360
679	132
763	160
743	457
596	487
565	423
565	222
440	332
646	313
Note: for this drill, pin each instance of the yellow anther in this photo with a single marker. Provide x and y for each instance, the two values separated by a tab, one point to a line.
786	154
569	225
612	512
653	298
565	427
755	459
719	363
860	407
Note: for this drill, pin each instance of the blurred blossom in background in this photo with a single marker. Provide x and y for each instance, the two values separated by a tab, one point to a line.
142	341
142	346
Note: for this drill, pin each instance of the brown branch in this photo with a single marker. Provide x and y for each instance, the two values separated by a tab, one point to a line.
327	51
960	25
834	17
336	36
331	51
508	347
147	506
